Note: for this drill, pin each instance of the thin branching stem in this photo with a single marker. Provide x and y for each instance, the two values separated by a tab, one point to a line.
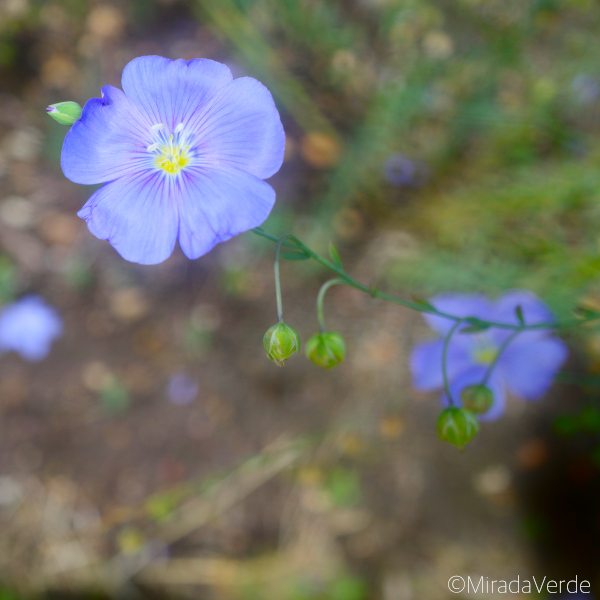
502	348
445	359
291	241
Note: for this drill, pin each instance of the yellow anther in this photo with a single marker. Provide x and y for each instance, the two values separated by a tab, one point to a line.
171	156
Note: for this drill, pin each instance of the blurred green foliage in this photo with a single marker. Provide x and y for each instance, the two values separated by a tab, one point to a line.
343	587
343	485
586	421
114	396
8	274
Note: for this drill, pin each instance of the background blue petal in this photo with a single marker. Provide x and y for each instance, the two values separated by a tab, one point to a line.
529	367
29	326
426	364
461	305
534	309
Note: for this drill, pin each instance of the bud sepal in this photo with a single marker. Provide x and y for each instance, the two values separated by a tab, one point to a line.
477	398
326	350
65	113
280	342
457	426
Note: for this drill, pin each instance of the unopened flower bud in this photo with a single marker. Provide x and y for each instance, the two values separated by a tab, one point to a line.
477	398
65	113
457	426
280	342
326	349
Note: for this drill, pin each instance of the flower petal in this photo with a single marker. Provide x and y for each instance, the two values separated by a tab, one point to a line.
426	364
534	309
474	376
241	128
171	91
529	366
215	205
108	141
137	214
459	305
29	326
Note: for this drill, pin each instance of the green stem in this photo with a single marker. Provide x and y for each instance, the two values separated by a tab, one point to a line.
503	347
444	357
321	298
277	280
420	307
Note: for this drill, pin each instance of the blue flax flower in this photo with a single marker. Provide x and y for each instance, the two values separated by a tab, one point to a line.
182	389
183	151
29	326
526	367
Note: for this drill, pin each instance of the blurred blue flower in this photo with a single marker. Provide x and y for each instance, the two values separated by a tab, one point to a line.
585	88
182	389
526	367
183	152
400	171
29	326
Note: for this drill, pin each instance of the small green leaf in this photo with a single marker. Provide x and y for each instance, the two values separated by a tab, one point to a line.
475	326
586	313
334	255
294	255
475	329
519	313
423	303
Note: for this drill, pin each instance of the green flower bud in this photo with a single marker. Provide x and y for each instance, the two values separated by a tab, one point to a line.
477	398
280	342
65	113
457	426
326	349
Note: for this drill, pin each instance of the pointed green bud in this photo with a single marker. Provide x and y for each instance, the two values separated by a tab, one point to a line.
280	342
326	349
65	113
477	398
457	426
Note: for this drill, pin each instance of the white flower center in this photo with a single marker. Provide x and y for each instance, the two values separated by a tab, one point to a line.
171	151
485	351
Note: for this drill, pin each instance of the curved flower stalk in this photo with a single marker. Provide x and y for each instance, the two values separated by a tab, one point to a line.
183	151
